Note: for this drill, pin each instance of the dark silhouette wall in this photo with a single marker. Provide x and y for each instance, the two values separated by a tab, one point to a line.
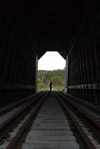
18	60
84	59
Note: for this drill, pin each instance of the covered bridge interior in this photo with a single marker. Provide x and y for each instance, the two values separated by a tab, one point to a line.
30	28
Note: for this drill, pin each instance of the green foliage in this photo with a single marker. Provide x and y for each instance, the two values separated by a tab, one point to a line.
39	80
57	77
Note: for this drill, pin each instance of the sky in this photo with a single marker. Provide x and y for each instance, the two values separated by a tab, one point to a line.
51	61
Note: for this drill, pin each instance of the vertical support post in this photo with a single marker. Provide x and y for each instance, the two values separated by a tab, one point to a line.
66	75
36	73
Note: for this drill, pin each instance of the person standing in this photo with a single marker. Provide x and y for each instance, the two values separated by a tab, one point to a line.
50	85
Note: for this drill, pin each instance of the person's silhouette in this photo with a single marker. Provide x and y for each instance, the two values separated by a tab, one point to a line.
50	85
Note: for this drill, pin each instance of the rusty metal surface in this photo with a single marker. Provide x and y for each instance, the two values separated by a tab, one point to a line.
86	139
85	113
12	121
16	140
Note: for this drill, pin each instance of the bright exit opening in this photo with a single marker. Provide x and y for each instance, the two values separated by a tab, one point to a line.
51	67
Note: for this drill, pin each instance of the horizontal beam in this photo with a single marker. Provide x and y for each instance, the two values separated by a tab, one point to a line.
85	86
16	86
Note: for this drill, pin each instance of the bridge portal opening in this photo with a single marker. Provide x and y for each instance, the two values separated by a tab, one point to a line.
51	67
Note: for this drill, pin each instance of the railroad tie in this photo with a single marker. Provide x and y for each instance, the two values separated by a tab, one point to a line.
51	129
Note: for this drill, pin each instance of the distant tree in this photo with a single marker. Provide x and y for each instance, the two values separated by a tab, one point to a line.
39	80
56	81
57	77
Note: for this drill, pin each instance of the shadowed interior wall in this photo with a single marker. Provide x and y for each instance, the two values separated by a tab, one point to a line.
17	57
84	59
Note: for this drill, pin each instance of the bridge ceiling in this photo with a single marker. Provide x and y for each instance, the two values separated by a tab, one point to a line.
53	23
